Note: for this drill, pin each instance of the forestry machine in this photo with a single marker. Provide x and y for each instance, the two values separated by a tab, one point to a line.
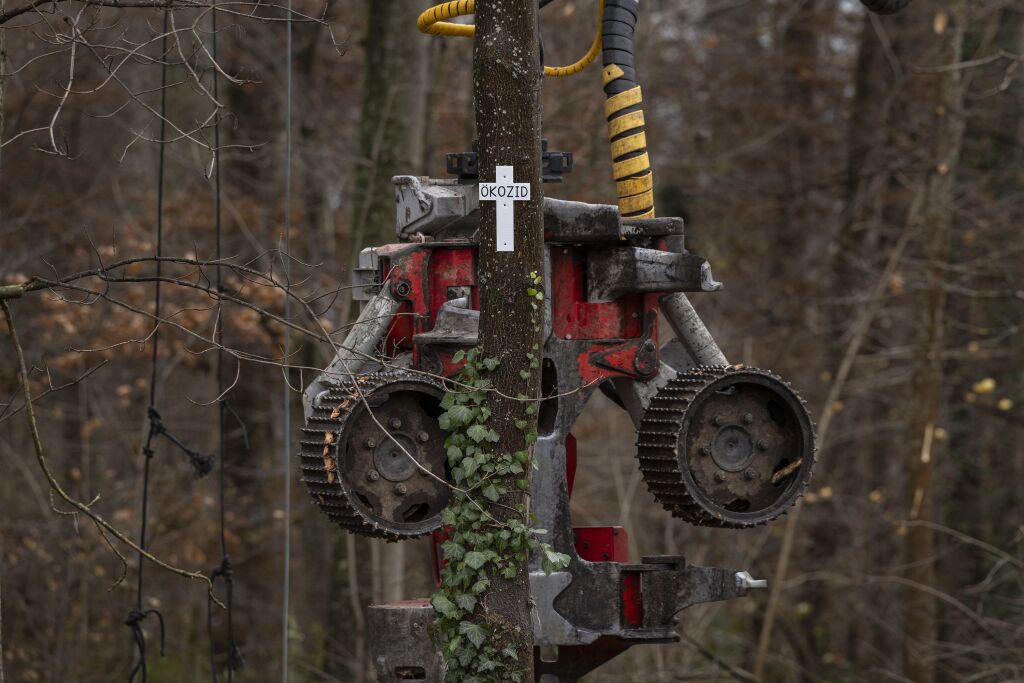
718	444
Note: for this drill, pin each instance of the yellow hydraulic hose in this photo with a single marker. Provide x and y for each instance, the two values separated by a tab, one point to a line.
623	109
435	22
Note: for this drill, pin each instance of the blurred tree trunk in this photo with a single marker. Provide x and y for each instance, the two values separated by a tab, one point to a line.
947	130
3	88
391	127
861	251
2	555
312	189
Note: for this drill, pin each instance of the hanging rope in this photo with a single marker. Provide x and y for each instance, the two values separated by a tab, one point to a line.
201	464
286	426
224	571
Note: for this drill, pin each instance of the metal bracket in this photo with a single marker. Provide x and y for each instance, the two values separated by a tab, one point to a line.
550	627
615	271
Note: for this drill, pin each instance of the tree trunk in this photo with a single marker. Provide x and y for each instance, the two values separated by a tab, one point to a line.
506	98
1	603
948	128
3	87
391	88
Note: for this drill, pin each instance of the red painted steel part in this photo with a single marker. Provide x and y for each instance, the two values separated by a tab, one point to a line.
601	543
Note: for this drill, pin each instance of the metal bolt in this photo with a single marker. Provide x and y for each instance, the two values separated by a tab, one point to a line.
762	445
750	474
719	477
718	420
748	419
373	475
400	489
395	423
370	443
423	436
704	450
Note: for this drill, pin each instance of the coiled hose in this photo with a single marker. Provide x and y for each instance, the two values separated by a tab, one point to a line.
435	22
623	108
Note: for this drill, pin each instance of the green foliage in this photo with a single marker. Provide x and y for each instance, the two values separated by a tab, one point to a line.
482	543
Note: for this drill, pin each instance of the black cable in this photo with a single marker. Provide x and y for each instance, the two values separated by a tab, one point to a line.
201	463
134	622
136	616
224	571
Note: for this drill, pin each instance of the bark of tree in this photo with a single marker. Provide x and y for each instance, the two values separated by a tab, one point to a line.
3	87
392	87
1	607
948	128
506	98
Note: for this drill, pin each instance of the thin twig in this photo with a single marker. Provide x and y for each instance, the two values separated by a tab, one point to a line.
81	507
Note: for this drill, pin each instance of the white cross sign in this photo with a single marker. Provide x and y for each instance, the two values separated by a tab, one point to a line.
504	192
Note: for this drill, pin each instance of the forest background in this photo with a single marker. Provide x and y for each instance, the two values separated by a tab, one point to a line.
856	182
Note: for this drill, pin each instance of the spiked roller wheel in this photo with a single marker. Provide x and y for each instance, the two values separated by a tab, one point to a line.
727	447
373	455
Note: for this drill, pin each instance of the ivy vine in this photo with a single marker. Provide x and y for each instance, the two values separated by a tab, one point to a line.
485	539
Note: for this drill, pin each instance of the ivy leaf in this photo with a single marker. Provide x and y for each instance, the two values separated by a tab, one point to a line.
465	656
553	561
510	652
466	601
478	433
524	374
515	468
487	664
445	606
458	356
469	466
480	586
476	633
454	454
475	559
491	363
453	551
460	414
491	493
